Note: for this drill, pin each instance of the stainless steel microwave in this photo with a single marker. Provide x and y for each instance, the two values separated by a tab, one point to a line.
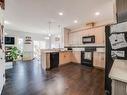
88	39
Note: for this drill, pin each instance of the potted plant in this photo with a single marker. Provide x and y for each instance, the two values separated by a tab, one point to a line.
14	53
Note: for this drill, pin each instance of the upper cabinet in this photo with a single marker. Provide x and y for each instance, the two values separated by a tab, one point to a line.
75	38
99	33
121	10
66	36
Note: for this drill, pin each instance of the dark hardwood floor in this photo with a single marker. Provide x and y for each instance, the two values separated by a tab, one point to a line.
28	78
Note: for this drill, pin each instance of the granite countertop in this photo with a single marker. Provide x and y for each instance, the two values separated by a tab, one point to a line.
119	71
86	45
51	51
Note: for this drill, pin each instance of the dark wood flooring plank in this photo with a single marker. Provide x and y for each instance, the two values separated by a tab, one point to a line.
28	78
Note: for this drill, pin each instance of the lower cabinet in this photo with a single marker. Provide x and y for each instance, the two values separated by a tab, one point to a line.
65	57
71	56
99	59
54	59
76	57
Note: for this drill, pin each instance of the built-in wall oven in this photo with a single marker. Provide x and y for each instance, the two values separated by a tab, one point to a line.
87	56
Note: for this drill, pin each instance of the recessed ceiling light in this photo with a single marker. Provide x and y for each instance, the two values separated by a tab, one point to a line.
75	21
60	13
6	22
97	13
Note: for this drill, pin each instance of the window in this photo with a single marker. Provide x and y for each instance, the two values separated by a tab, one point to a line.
20	44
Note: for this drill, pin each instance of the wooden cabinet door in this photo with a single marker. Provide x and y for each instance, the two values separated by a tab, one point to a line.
67	57
95	59
75	38
71	38
66	37
99	35
64	57
102	60
99	59
76	56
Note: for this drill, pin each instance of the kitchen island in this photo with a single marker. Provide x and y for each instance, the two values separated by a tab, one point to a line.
54	57
64	57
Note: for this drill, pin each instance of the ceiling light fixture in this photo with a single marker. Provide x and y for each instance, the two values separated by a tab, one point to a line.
49	34
7	22
97	13
75	21
60	13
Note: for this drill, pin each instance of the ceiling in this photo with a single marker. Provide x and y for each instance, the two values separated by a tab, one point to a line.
34	15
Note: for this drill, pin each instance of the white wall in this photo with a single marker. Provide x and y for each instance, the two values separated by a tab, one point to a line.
50	43
2	54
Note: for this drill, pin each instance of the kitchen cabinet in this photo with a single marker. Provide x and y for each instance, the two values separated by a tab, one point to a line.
88	32
121	10
99	59
99	35
65	57
76	57
51	59
75	38
66	37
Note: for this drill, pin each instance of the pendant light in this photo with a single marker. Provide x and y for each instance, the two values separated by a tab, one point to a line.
59	31
49	34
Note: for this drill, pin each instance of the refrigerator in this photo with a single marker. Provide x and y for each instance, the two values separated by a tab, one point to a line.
116	48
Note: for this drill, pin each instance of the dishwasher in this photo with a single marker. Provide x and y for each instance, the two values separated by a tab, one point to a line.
54	60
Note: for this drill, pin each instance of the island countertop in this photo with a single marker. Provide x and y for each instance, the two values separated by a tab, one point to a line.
51	51
119	71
